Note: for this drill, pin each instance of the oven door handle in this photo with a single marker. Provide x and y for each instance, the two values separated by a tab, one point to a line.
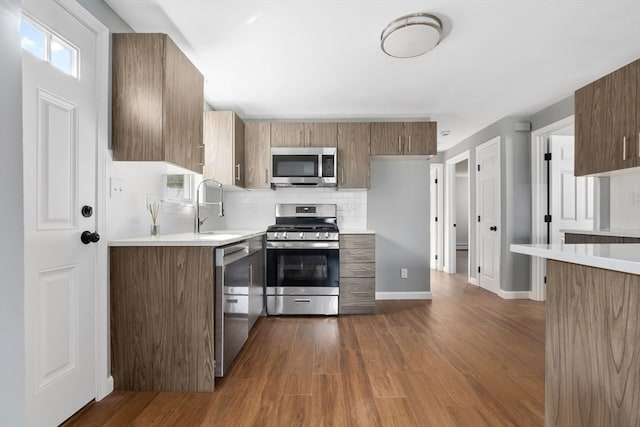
303	245
302	301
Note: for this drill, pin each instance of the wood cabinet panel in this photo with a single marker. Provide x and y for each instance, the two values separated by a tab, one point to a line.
421	138
257	151
631	240
607	122
287	134
321	134
386	138
224	147
357	255
357	295
575	238
354	150
357	274
162	331
349	241
592	355
157	102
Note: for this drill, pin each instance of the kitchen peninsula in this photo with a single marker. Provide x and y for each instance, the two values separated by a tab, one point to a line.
592	360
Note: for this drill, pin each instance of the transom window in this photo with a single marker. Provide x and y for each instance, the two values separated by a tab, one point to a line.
47	46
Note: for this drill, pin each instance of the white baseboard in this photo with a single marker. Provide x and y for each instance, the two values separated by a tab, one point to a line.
402	295
473	281
514	294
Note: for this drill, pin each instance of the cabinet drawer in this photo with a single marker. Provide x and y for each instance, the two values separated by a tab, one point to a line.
357	295
351	241
357	255
357	270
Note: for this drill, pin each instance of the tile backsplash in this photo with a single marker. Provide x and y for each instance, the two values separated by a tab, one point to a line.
256	208
625	201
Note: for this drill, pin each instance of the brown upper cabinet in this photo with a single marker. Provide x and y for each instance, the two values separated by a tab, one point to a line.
257	155
607	122
157	102
224	147
299	134
408	138
353	155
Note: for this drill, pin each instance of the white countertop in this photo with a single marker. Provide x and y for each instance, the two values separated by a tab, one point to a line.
614	232
357	232
215	239
611	256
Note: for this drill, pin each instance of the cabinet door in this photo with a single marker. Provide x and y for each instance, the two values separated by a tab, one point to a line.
219	149
386	138
592	153
420	138
182	109
621	116
287	134
321	134
257	155
238	151
353	155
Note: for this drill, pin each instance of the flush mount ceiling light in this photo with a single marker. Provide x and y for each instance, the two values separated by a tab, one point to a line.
411	35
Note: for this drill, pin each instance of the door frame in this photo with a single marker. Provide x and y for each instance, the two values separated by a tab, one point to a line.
450	211
439	225
478	243
539	201
104	380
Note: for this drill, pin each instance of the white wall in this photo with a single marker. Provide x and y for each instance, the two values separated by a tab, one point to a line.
12	353
256	208
625	201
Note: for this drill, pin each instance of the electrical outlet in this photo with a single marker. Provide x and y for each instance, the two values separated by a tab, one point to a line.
117	187
404	273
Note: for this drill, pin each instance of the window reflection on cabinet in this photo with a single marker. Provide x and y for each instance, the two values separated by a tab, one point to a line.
224	147
257	150
353	155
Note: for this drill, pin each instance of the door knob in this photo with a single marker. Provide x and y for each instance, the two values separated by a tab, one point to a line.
89	237
493	228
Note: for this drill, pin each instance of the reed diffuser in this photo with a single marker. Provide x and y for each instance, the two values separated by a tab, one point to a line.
154	208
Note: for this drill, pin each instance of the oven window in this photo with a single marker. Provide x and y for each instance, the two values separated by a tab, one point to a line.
303	267
295	166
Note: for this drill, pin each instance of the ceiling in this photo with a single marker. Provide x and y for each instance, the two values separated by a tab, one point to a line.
303	59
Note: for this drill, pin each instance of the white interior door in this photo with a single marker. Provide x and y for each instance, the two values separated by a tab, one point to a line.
59	116
571	197
436	216
488	210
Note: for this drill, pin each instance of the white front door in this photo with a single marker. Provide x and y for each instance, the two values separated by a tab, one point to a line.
488	210
571	197
59	116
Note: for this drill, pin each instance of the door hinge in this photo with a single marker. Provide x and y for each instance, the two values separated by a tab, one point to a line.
478	269
545	279
436	219
547	218
478	218
436	257
478	168
547	156
436	180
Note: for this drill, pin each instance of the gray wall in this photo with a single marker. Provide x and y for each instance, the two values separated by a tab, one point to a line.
398	211
515	193
12	354
553	113
462	210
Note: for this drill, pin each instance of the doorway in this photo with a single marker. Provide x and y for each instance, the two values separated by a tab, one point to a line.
457	236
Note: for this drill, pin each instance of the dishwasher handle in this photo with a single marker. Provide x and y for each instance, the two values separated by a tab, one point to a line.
230	254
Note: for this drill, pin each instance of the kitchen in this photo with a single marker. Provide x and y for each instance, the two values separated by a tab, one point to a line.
362	209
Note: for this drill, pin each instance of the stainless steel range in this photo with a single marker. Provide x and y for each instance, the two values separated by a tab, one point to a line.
303	261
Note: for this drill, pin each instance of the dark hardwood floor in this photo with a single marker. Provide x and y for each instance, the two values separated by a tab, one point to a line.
465	358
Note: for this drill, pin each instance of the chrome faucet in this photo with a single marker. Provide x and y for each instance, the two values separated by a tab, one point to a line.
197	222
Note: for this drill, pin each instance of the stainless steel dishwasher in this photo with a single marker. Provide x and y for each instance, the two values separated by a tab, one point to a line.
235	305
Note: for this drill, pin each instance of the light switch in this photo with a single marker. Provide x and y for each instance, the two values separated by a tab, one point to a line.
117	187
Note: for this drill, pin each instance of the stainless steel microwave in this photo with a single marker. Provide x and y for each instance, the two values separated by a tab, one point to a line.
297	166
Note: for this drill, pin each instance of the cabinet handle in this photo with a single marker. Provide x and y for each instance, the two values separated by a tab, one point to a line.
638	144
232	301
409	143
266	176
399	144
300	300
309	137
238	172
360	270
358	292
342	175
250	274
624	148
302	138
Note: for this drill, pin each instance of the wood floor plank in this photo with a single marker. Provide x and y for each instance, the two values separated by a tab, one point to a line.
465	358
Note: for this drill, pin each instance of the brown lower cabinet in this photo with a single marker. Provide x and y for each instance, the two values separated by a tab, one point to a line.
597	238
357	274
162	331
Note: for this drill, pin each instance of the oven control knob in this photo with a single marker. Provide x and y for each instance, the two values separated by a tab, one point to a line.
284	235
318	235
276	235
326	234
301	235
